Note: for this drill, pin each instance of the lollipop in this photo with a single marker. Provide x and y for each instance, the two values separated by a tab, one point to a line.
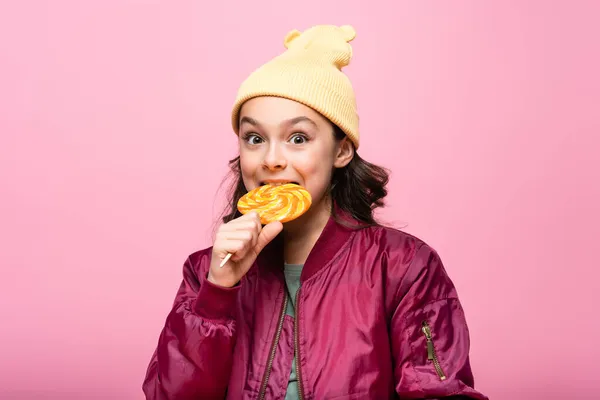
274	202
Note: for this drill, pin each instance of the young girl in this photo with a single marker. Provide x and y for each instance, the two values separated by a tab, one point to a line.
331	305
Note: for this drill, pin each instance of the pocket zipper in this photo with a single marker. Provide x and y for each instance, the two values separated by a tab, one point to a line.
431	354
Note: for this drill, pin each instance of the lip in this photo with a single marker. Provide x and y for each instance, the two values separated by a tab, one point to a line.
277	182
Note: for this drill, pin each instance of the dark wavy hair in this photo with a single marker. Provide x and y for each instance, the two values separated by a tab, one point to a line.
357	189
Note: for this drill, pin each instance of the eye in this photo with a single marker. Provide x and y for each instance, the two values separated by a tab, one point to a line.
252	138
298	138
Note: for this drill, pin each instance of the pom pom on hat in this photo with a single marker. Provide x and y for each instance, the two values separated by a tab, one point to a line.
309	71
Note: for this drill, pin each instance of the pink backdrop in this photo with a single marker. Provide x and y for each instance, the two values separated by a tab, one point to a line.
115	137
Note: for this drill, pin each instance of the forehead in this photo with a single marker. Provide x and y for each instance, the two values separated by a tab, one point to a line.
275	110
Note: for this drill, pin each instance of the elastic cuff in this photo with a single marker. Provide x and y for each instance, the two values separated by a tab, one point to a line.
216	302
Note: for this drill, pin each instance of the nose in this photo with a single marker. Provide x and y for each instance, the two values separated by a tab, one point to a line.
274	158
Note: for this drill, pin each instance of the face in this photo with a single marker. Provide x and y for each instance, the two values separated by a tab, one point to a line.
281	140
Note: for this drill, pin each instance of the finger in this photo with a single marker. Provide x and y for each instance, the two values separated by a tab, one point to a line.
250	236
254	218
246	225
252	215
267	234
238	248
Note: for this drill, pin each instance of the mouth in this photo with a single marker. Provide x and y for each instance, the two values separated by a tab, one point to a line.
278	182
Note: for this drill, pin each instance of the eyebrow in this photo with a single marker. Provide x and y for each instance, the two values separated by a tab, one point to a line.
249	120
289	122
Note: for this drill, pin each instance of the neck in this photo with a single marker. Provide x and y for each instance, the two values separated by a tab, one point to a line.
300	235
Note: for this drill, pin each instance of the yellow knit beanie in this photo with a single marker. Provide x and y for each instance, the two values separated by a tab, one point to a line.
309	72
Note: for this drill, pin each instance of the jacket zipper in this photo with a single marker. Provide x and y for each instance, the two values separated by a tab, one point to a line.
431	354
263	386
297	345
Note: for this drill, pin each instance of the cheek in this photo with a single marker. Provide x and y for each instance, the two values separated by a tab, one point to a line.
316	172
248	167
249	161
245	166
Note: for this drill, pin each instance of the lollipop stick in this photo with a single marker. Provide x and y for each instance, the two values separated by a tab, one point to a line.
227	257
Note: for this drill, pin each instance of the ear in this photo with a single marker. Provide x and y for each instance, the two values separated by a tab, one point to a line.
344	153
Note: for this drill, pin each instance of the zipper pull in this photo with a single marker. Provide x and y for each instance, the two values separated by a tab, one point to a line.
427	332
429	350
431	355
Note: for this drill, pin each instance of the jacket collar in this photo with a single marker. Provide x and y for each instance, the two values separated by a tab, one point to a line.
330	242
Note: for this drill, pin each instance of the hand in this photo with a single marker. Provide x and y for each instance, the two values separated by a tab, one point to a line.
244	238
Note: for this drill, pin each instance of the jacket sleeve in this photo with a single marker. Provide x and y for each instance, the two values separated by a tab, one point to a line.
193	357
429	334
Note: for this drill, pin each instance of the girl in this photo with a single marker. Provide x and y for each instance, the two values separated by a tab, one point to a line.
332	305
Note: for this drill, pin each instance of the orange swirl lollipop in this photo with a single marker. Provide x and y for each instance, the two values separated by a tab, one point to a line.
274	202
282	203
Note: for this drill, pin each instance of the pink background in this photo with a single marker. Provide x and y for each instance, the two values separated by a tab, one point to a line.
114	118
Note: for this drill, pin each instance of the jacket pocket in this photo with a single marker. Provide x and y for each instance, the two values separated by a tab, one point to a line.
431	352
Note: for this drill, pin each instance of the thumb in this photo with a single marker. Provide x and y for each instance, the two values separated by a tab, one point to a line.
268	233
